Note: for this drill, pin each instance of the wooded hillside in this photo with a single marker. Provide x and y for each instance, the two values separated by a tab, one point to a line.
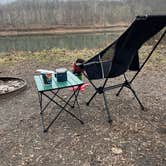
52	13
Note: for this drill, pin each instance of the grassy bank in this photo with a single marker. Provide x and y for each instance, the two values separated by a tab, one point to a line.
63	56
46	56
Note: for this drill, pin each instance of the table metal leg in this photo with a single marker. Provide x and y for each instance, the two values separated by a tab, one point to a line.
63	108
61	98
43	109
76	99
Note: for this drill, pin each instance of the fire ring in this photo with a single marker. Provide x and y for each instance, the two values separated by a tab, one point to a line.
11	85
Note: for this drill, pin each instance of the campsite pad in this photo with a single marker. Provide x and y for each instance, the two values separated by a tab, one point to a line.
10	85
135	138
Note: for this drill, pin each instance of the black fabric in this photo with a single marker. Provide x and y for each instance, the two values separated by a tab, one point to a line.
122	54
93	69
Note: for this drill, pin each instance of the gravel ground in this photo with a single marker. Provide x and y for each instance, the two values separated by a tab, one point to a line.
135	138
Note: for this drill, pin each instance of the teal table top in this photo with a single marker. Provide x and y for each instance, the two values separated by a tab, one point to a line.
72	80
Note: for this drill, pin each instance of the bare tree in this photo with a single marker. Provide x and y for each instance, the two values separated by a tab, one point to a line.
52	13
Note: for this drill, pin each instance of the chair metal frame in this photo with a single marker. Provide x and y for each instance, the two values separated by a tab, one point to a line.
127	83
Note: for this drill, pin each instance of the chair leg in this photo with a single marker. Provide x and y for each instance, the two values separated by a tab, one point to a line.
127	84
138	100
107	109
121	88
123	85
91	98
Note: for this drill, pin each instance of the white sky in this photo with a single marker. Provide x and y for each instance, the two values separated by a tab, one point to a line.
5	1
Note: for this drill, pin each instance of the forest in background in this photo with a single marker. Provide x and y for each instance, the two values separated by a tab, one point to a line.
75	13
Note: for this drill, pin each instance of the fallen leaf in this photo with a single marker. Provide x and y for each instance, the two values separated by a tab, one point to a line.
117	150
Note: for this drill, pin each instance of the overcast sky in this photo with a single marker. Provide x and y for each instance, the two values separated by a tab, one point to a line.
5	1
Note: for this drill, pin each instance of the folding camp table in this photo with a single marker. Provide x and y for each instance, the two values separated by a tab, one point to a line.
50	91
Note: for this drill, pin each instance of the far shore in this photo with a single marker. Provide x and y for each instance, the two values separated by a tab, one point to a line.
59	30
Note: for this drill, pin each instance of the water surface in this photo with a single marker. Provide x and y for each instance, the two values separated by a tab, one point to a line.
68	41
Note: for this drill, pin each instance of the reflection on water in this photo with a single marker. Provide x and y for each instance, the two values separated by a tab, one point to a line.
68	41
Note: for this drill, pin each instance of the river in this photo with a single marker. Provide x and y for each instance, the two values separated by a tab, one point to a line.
67	41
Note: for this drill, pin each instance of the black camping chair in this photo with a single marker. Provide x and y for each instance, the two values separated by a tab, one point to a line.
122	55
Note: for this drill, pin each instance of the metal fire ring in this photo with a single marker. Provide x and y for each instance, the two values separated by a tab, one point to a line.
11	91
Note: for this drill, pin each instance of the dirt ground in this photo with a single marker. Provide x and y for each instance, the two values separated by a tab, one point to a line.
135	138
